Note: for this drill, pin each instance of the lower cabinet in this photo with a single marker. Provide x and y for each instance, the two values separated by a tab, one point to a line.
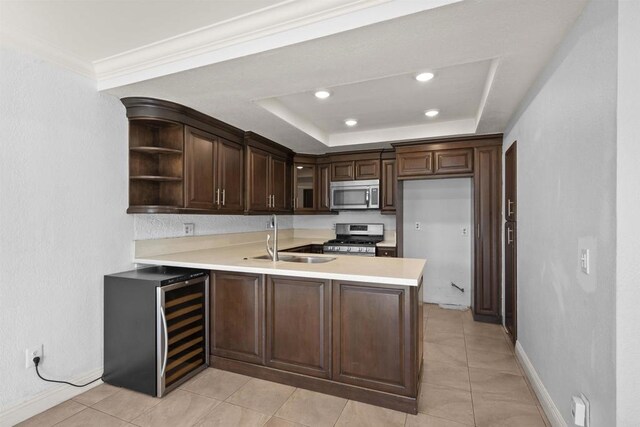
361	341
299	325
237	316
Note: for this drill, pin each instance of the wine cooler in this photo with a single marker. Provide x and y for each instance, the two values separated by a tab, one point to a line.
155	328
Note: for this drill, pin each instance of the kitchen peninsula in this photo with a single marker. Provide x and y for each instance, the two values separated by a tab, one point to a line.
351	327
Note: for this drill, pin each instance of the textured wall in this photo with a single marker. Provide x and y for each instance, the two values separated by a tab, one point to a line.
443	207
327	221
628	213
566	133
63	197
161	226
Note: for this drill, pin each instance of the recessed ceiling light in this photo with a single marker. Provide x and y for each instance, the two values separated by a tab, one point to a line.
351	122
322	94
431	113
424	77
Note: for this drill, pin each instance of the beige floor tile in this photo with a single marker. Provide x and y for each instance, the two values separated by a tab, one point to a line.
482	329
453	356
179	408
262	396
280	422
358	414
442	314
126	404
312	409
216	383
424	420
93	418
444	338
226	415
495	361
54	415
440	325
96	394
447	403
507	386
493	411
493	345
443	374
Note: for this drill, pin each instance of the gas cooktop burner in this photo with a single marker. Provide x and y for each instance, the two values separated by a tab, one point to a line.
352	242
355	239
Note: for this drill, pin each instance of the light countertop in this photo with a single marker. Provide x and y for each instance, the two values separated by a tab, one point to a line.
238	258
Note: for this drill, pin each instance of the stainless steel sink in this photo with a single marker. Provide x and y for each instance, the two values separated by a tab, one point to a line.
298	258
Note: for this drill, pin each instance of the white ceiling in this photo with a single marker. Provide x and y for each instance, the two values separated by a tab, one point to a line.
256	64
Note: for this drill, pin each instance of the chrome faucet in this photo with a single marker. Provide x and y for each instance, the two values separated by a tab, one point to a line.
273	224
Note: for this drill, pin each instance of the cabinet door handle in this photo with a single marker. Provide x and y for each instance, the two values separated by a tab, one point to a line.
273	200
509	236
223	197
218	196
165	330
509	204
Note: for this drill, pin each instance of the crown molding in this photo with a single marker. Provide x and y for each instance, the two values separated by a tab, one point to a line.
46	51
283	24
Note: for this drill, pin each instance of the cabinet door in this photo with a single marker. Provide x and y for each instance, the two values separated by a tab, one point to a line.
200	153
342	171
258	179
454	161
280	180
486	200
414	164
230	176
237	315
386	252
324	182
299	325
367	169
372	329
389	184
304	188
510	276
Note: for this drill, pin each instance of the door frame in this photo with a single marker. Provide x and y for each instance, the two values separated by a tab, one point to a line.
511	151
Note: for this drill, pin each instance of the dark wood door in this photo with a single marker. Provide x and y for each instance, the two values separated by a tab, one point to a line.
367	169
510	244
389	185
200	154
343	171
324	182
454	161
487	213
415	164
258	179
372	326
230	176
299	325
280	180
510	183
237	316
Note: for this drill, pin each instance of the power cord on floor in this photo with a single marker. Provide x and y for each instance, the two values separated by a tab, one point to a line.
36	361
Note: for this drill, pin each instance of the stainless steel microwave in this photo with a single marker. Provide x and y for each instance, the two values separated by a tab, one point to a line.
355	194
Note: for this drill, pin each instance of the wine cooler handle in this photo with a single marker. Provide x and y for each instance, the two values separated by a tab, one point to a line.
166	341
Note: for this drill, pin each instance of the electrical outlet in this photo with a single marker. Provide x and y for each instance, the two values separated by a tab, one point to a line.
418	226
465	231
333	226
189	229
32	352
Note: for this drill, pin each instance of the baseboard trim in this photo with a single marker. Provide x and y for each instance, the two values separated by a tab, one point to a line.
548	406
47	399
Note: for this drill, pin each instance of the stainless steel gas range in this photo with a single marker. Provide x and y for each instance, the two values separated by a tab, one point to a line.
355	239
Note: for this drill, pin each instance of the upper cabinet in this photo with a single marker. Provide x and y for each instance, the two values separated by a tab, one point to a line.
432	160
268	175
182	161
355	166
304	186
389	184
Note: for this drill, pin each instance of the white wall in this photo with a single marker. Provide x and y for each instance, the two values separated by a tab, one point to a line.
628	214
327	221
63	197
566	133
162	226
443	207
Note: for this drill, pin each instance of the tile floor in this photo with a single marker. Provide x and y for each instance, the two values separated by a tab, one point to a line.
471	378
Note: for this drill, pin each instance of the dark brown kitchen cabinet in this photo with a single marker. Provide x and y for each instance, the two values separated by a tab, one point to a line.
342	171
454	161
389	184
367	169
355	166
214	172
414	163
299	325
268	175
487	188
237	316
304	187
426	160
388	252
324	191
375	328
